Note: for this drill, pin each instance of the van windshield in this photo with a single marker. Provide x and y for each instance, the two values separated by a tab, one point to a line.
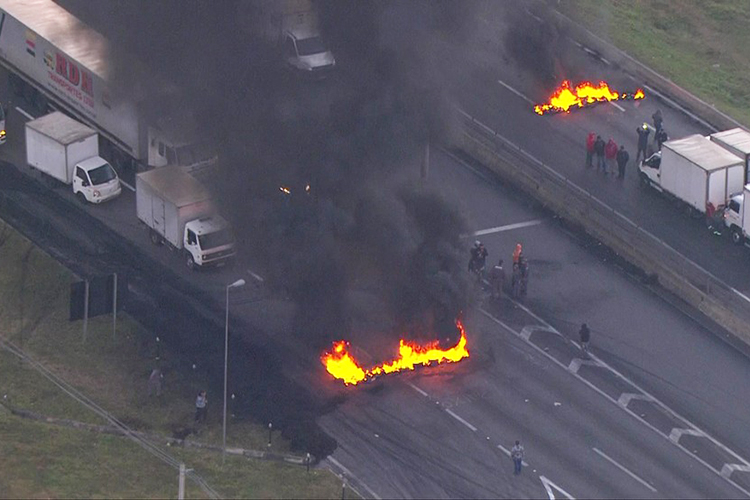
310	46
103	174
216	239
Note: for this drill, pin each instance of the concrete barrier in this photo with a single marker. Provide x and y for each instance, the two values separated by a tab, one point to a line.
674	272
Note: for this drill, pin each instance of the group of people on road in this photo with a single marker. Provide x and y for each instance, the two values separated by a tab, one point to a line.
608	154
519	276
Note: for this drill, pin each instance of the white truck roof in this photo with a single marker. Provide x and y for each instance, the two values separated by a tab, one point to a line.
703	153
737	138
52	22
61	128
175	185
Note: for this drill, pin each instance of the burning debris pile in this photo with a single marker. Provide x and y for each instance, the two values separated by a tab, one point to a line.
343	366
584	94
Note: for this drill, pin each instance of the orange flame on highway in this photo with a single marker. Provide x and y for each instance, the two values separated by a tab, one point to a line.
585	93
343	366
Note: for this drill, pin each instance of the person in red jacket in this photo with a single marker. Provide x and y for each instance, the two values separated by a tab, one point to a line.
610	155
590	149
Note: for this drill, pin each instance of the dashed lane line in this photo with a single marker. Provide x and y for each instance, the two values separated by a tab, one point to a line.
457	417
623	468
127	185
508	227
24	113
664	407
418	390
518	93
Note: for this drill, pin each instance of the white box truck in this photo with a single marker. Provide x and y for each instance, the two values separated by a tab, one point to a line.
736	141
68	151
55	57
695	171
179	212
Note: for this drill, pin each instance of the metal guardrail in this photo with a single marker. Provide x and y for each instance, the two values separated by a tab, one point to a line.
675	272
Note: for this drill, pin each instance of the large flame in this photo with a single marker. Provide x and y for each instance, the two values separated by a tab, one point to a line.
583	94
342	365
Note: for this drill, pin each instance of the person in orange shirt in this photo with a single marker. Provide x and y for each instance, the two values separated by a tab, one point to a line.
517	253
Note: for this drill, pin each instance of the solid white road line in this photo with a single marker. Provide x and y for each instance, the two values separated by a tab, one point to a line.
519	94
508	227
127	185
623	468
617	106
24	113
418	390
349	474
467	424
256	276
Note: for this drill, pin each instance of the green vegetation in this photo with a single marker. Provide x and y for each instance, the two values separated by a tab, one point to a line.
700	45
43	460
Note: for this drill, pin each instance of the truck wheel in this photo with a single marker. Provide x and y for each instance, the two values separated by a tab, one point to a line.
155	238
81	197
645	181
736	234
190	261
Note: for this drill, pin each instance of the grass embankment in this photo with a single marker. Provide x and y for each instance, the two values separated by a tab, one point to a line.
700	45
42	460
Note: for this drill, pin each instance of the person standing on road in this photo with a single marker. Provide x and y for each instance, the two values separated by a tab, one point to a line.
516	454
590	140
610	153
517	253
643	132
200	407
658	120
661	137
622	161
599	151
585	335
497	280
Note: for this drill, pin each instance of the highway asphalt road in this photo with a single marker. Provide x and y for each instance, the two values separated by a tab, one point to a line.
666	427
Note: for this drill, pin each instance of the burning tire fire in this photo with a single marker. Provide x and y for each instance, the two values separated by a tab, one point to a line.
584	94
343	366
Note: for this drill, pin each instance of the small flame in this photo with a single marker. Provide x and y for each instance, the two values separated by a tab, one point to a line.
343	366
585	93
285	190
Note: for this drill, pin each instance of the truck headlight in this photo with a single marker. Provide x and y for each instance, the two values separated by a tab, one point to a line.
203	257
96	193
2	133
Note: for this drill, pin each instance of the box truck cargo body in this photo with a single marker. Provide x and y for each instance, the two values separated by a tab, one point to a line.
54	56
737	142
178	210
68	151
696	171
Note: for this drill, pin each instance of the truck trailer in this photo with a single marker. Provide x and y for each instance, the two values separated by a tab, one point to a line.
695	171
68	151
179	212
737	142
56	59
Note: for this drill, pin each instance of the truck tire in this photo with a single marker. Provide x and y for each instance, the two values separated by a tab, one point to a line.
735	234
190	262
155	237
645	181
81	197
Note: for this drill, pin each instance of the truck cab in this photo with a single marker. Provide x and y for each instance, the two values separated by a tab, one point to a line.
649	171
305	51
95	181
734	218
208	241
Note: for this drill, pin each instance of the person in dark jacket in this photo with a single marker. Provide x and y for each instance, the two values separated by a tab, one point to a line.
622	160
590	140
661	137
658	120
599	151
585	335
643	133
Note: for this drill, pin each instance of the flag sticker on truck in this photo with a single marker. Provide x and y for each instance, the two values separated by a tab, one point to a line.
31	43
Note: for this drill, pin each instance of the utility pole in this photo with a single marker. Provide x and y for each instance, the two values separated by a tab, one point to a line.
181	484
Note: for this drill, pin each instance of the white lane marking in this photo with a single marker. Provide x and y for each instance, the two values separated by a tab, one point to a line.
727	470
741	294
418	390
677	433
467	424
519	94
549	485
624	469
349	474
606	396
681	108
627	397
617	106
507	452
127	185
256	276
24	113
508	227
576	363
